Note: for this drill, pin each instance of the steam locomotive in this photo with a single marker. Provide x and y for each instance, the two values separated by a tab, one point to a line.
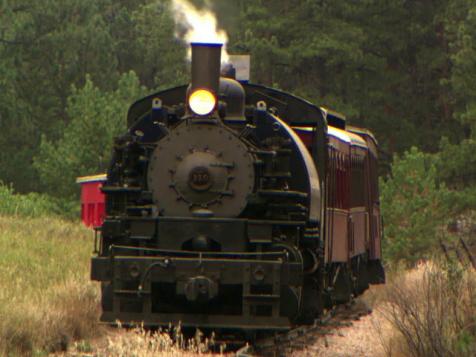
236	206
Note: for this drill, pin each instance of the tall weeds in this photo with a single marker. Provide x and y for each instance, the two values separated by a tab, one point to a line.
46	298
433	309
142	343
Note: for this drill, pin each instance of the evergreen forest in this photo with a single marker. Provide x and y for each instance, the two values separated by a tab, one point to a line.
405	69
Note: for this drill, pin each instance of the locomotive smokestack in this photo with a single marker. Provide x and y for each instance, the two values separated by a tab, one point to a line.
202	96
206	66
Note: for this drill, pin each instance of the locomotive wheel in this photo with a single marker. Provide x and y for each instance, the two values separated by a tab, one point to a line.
290	301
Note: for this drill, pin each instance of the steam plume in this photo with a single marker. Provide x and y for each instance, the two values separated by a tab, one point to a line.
199	25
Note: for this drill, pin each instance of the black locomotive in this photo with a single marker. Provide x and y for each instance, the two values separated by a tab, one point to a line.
233	205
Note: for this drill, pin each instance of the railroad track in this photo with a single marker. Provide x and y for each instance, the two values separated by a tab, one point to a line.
303	337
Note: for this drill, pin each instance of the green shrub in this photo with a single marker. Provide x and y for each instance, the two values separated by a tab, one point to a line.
86	145
415	208
27	205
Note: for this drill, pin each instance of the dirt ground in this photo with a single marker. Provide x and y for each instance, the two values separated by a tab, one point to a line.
361	338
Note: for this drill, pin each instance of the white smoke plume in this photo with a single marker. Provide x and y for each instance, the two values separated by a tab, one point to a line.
200	26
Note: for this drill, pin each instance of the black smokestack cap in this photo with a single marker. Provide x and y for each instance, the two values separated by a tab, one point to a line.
206	61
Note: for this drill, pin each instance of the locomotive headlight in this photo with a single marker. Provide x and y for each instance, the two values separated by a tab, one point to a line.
202	102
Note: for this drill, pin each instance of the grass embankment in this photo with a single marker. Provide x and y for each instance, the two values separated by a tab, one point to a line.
46	298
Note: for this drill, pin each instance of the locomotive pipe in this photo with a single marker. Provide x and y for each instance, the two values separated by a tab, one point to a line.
206	62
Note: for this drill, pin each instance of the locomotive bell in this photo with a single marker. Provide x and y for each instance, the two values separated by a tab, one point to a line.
202	96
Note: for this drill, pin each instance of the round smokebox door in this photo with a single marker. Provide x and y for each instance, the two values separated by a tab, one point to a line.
201	168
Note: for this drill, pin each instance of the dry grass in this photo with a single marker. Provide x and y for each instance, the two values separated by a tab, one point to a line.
46	300
49	305
142	343
432	310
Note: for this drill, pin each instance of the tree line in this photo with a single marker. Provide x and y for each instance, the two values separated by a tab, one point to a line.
406	69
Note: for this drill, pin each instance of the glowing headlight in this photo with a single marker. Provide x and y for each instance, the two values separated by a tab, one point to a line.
202	102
